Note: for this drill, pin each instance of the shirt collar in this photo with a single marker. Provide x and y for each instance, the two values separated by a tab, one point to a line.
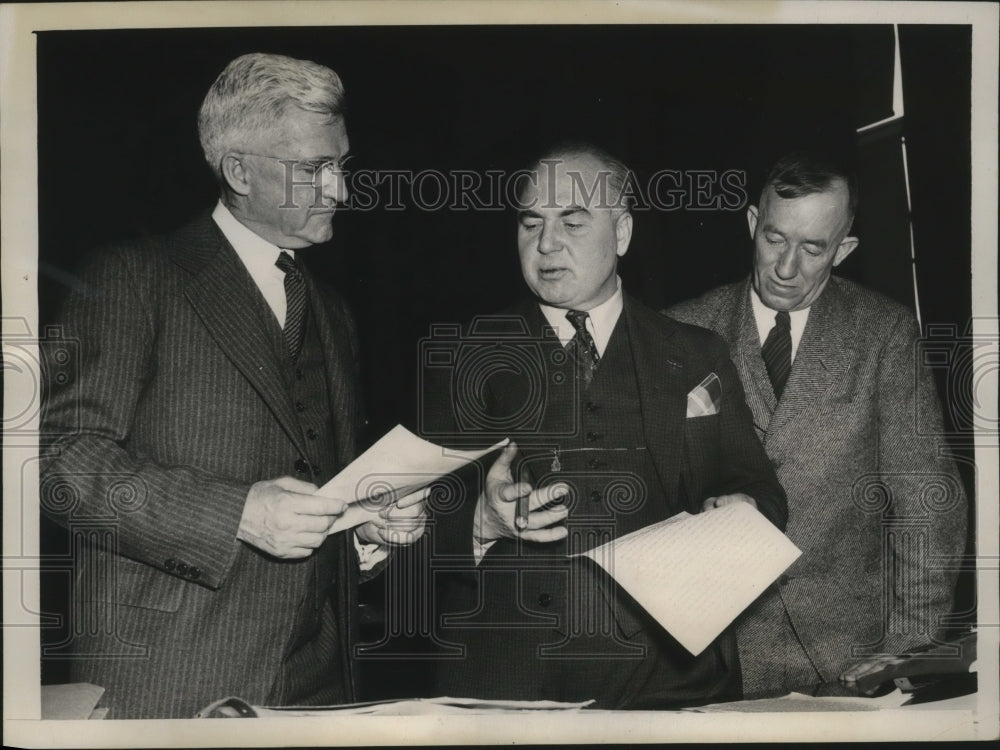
764	317
601	320
257	254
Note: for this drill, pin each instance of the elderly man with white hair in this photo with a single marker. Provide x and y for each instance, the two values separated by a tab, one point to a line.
216	390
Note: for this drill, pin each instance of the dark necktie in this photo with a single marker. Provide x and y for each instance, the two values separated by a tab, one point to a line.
295	298
582	346
777	352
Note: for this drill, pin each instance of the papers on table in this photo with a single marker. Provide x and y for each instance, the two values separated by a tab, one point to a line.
423	707
695	574
398	464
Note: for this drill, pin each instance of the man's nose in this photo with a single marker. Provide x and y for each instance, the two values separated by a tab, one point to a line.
549	241
335	188
787	266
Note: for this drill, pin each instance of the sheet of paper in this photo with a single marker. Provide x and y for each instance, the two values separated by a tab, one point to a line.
423	707
695	574
398	464
75	700
808	703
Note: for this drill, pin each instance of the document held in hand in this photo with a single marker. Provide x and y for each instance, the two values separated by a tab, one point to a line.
398	464
695	574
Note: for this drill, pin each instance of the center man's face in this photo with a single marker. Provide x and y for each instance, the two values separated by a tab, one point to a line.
797	242
568	237
292	205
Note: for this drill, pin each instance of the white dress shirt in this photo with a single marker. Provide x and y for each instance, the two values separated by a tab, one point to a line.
764	316
601	320
259	256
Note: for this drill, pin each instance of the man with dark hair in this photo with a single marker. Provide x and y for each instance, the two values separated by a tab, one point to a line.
849	418
217	387
597	396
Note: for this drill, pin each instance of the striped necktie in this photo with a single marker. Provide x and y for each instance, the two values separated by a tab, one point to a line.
295	298
777	352
582	346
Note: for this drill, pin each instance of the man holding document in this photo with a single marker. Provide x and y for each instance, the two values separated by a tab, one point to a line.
620	419
216	389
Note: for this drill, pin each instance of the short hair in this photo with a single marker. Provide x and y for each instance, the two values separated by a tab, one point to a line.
618	173
253	92
800	173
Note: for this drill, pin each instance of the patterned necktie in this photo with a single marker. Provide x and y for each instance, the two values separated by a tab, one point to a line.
295	298
777	352
582	346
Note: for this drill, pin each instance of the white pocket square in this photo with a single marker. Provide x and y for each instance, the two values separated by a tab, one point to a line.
704	398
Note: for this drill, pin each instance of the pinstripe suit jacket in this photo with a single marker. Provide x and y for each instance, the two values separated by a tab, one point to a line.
872	498
178	405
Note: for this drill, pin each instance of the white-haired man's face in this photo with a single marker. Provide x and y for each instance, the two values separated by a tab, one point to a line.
289	183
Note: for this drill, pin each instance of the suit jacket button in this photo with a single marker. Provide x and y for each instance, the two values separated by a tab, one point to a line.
592	407
311	433
595	464
300	407
194	574
595	496
302	466
783	580
593	437
545	599
182	569
169	564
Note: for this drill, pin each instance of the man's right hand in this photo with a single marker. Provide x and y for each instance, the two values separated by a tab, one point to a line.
498	506
283	518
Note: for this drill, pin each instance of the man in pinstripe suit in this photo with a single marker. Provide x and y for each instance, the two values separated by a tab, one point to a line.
216	388
852	424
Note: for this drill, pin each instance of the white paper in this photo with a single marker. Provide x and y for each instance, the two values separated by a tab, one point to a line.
695	574
398	464
424	707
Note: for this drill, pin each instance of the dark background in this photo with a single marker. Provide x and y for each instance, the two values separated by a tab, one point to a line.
119	156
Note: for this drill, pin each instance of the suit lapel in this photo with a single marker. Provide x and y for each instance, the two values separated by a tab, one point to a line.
823	357
661	379
221	299
339	356
746	353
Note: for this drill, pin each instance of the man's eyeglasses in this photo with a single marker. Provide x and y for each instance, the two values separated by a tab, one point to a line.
309	169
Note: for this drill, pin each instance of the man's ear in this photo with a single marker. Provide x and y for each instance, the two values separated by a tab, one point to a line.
235	174
845	248
752	220
623	233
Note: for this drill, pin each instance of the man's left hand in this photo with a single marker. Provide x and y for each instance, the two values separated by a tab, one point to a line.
399	524
721	500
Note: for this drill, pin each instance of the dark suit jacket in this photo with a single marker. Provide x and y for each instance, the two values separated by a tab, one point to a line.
856	443
694	458
177	406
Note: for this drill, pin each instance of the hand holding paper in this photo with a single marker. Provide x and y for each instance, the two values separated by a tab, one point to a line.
393	469
400	523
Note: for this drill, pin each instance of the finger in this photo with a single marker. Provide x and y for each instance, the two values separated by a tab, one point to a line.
549	494
314	505
411	511
414	498
310	524
510	492
296	485
551	534
295	553
502	465
545	518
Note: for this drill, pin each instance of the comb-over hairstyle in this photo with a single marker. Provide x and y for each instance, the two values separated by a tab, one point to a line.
800	173
256	90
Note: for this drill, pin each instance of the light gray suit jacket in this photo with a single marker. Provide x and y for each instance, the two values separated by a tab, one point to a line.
874	502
